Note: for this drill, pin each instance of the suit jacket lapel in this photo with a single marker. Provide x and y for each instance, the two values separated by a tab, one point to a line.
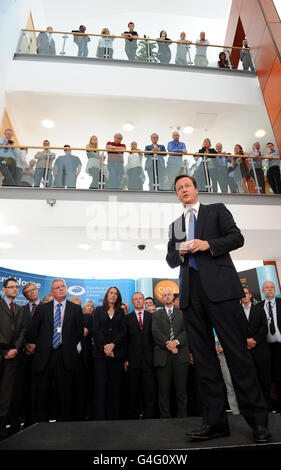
201	220
51	313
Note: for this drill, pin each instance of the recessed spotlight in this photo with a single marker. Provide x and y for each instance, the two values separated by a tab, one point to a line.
84	246
48	123
188	130
260	133
128	126
5	245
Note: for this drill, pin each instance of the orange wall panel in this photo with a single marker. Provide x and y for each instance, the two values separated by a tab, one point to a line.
276	31
272	94
277	130
265	57
270	11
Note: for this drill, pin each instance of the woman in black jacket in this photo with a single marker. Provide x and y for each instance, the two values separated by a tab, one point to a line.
109	337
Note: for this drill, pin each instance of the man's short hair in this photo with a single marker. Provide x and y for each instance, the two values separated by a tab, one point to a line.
131	22
5	283
27	285
269	143
137	293
150	298
183	175
57	280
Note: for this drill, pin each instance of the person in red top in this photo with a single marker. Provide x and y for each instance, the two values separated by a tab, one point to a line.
115	162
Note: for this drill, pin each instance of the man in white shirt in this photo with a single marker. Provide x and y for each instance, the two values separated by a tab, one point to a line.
200	242
171	355
272	308
200	59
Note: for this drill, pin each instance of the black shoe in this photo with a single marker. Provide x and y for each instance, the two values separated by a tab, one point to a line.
208	432
261	434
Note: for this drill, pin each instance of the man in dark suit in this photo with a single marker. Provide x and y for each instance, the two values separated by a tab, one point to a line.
139	364
171	355
56	329
210	291
21	406
12	331
272	308
257	330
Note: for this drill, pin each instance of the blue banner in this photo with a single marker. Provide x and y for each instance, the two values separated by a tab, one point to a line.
85	289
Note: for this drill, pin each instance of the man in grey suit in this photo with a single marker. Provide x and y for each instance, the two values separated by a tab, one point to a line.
171	355
12	334
156	167
45	42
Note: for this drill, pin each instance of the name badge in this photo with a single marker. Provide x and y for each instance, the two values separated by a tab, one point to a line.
59	329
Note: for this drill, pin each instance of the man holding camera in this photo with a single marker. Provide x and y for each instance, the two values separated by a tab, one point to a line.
8	157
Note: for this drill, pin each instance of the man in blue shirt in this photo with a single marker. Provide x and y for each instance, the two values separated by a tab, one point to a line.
175	161
156	164
8	157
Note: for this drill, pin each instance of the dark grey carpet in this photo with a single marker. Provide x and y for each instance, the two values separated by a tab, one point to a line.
167	434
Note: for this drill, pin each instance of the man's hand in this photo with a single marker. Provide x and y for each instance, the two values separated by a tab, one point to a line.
108	349
126	365
199	245
251	343
86	331
219	349
11	354
170	345
30	348
184	248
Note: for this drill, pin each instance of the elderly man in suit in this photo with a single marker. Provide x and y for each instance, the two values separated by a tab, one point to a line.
12	331
171	355
155	164
139	364
46	43
272	308
21	406
210	291
56	329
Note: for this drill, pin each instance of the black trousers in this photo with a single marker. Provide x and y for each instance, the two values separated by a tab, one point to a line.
230	325
274	180
54	377
142	392
107	384
275	352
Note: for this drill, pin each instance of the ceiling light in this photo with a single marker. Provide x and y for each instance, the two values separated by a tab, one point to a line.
260	133
5	245
48	123
188	130
128	126
84	246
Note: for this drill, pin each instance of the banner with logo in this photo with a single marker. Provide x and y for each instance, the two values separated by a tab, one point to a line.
252	278
85	289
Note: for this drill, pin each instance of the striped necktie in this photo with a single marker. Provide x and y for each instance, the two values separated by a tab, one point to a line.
272	328
170	313
57	324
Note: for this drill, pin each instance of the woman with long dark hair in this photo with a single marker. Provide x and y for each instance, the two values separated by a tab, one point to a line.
109	337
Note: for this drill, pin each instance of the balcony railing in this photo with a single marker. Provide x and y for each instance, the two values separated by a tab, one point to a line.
184	53
136	170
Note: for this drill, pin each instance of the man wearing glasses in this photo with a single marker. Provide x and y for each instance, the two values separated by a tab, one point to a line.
12	331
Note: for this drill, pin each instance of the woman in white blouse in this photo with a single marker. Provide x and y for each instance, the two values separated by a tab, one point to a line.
105	45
